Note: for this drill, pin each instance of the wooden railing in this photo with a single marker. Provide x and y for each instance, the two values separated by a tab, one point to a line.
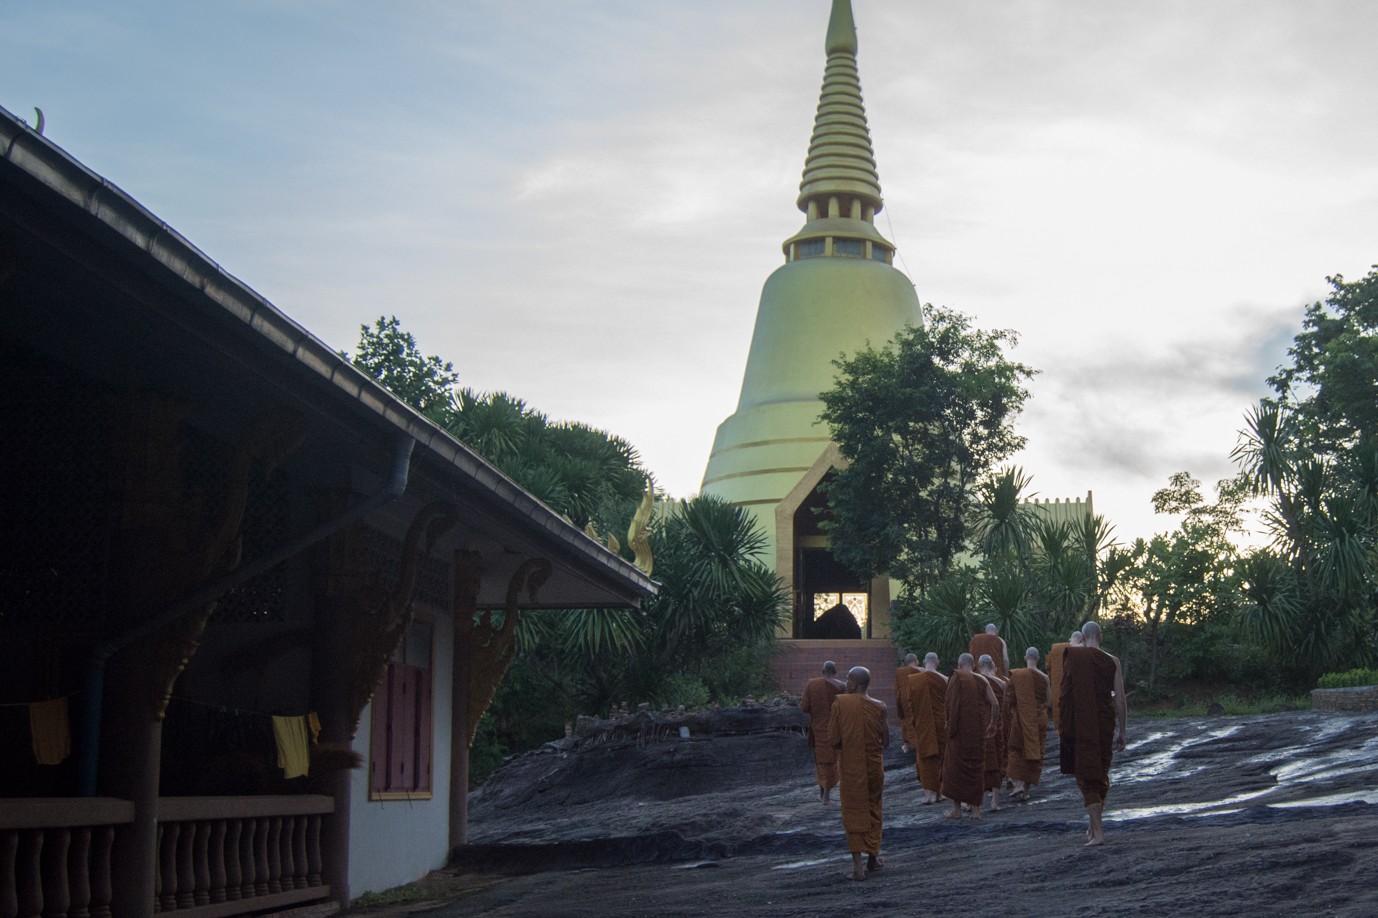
221	856
55	855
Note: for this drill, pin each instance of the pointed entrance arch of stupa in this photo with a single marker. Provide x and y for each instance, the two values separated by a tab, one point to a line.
804	560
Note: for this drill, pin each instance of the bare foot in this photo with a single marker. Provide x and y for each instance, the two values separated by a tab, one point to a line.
873	862
951	815
859	876
976	814
1095	840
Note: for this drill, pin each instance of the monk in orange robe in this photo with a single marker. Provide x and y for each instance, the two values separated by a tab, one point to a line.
860	729
1092	706
1028	730
926	705
994	770
990	642
1055	671
907	669
817	702
972	715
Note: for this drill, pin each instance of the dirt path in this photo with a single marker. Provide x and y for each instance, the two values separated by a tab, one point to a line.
1256	815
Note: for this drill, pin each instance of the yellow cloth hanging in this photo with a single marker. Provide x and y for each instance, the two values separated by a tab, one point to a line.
314	723
52	734
294	751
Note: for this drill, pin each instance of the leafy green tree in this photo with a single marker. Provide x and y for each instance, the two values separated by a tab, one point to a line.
1332	382
1311	454
1186	576
391	356
920	423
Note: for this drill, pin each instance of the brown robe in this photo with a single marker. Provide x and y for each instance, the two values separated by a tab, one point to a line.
992	644
1028	702
860	728
994	767
968	715
817	702
1055	678
1087	711
901	704
927	707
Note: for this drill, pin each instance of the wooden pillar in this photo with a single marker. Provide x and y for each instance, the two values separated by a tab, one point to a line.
151	568
133	774
335	576
329	700
468	577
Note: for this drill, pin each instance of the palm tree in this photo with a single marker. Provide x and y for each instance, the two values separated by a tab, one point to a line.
1311	596
1003	518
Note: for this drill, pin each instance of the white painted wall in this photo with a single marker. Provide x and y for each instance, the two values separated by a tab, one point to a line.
393	842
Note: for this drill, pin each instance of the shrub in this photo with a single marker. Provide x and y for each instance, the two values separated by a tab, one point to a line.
1349	678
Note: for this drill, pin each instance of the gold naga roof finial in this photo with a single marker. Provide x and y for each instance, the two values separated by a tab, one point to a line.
638	533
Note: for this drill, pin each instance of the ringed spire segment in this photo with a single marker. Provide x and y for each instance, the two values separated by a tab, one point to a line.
840	189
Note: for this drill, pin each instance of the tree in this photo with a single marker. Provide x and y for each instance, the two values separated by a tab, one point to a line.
1188	575
1332	383
707	631
1312	454
919	423
391	356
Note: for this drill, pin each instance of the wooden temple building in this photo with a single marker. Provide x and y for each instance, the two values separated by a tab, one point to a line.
219	538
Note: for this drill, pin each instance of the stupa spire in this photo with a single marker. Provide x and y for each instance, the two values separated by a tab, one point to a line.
840	190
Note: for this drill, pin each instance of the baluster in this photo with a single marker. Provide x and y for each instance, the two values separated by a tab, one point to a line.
56	896
27	874
233	874
299	851
313	850
261	857
104	840
9	895
186	877
247	861
167	863
158	870
217	861
79	870
288	861
200	864
275	855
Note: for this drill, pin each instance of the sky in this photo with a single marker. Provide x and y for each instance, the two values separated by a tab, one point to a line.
577	202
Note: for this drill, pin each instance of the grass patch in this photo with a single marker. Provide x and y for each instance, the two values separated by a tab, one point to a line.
1231	703
398	895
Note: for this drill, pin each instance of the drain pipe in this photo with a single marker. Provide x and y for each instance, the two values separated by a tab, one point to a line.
391	490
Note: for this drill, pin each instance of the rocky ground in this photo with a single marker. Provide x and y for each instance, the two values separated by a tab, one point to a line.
1269	814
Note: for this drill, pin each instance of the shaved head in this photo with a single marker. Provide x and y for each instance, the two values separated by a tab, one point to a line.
986	663
965	661
991	629
930	659
910	658
1077	639
860	675
1090	632
1031	654
830	668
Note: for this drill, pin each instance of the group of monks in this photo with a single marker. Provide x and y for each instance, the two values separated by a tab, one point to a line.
969	731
